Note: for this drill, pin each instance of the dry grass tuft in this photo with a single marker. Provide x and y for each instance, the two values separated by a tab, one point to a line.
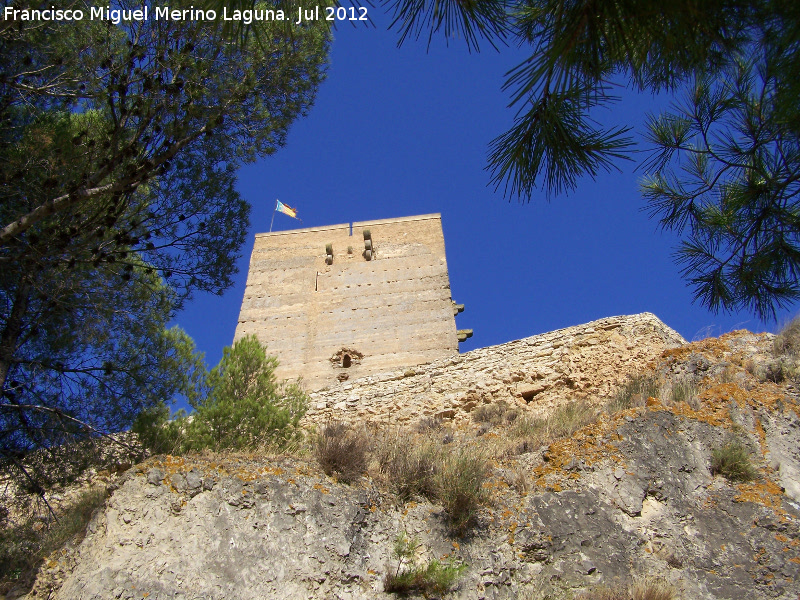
459	479
788	340
635	392
651	589
534	432
342	451
685	390
732	461
409	466
450	475
496	413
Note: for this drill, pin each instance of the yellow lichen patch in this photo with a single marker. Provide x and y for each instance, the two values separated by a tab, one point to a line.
781	538
723	393
794	559
762	436
588	443
174	461
713	410
718	348
322	489
270	470
765	492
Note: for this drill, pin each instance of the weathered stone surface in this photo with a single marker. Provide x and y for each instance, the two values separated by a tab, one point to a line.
280	531
629	496
539	372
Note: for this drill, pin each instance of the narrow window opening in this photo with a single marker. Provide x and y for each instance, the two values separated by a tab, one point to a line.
346	361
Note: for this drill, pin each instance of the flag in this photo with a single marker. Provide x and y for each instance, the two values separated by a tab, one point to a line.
287	210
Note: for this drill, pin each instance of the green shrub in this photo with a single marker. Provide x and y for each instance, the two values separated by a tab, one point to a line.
434	577
160	434
246	407
342	451
634	392
732	461
458	480
23	547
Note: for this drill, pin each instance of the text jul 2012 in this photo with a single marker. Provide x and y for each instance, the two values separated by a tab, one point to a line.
164	13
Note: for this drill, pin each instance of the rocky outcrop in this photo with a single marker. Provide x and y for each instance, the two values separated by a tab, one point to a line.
631	495
585	361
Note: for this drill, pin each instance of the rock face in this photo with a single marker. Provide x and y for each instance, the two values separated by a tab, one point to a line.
540	371
629	496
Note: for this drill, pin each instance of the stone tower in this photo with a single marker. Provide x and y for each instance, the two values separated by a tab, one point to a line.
345	301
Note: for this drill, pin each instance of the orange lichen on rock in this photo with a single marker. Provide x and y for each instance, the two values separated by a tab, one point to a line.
713	411
766	492
321	488
589	443
718	348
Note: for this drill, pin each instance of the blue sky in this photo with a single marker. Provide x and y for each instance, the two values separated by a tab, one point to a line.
404	131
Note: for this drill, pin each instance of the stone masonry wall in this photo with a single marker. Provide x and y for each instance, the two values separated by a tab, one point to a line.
582	362
391	311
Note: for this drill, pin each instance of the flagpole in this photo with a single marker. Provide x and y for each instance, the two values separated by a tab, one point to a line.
273	216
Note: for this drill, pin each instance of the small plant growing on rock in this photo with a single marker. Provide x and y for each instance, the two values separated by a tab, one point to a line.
787	341
434	577
562	422
342	451
635	392
651	589
496	413
459	481
409	466
732	461
684	390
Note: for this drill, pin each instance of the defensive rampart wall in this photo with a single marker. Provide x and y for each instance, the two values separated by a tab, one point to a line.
585	362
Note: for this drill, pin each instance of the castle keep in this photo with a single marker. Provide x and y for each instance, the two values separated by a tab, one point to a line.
345	301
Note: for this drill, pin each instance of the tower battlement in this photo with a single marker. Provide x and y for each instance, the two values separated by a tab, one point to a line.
345	301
